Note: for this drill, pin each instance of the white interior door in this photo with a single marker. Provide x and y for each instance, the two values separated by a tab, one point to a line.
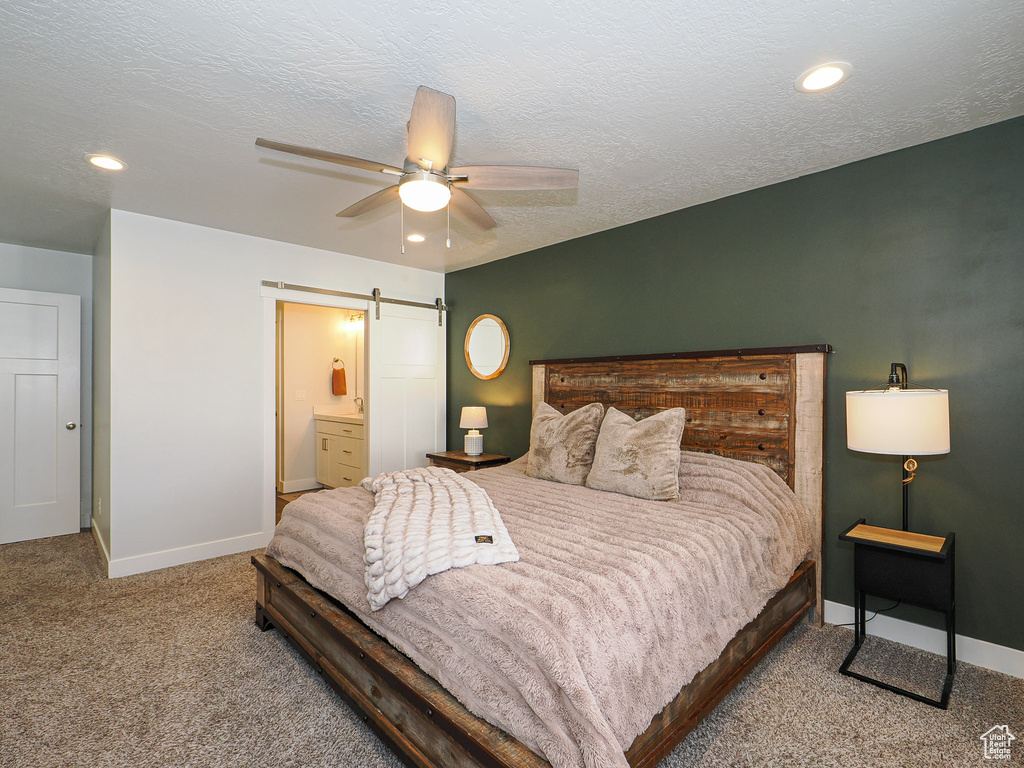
406	387
40	376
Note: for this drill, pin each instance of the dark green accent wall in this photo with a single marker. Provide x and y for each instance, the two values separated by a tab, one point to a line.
916	256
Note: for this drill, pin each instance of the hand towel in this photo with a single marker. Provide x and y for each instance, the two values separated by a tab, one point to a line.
338	386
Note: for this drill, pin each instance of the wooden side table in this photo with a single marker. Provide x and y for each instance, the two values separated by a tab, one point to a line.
914	568
460	461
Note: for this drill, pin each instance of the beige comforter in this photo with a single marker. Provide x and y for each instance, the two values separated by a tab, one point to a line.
616	603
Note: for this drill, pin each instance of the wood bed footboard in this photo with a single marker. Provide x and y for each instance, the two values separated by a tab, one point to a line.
429	728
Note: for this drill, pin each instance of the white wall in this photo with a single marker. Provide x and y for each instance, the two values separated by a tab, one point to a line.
37	269
312	337
186	380
101	390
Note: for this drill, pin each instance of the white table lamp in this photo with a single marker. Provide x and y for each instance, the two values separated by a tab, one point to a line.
474	418
899	421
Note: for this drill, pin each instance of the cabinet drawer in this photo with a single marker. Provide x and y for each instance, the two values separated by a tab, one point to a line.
340	428
347	477
455	466
350	452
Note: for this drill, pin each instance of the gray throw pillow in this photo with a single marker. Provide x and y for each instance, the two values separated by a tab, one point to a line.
562	445
639	458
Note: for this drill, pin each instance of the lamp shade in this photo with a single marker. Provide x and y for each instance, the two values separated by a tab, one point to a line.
901	422
473	417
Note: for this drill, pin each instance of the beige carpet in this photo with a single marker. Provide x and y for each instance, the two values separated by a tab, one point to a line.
168	669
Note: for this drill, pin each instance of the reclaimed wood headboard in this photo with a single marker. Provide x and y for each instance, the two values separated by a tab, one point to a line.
762	405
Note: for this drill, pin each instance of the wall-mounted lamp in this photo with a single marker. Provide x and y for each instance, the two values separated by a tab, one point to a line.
474	418
899	419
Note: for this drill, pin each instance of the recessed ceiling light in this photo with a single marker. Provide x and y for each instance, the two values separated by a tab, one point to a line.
106	162
823	77
415	238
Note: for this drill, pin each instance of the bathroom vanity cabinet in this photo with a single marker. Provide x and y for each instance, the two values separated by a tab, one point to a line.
341	449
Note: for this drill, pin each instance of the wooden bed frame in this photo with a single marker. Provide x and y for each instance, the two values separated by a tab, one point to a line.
764	405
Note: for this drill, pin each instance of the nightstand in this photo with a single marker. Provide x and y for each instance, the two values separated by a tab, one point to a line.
911	567
460	461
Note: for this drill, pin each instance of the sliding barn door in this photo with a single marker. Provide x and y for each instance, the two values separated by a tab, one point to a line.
406	393
40	358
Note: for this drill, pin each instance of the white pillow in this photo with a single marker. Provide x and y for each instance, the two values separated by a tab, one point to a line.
639	458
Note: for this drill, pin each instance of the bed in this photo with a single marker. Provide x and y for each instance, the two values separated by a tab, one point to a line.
763	406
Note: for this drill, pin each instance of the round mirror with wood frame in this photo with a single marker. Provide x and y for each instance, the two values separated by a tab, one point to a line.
487	347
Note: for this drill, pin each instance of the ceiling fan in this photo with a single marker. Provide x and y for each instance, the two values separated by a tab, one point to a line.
425	181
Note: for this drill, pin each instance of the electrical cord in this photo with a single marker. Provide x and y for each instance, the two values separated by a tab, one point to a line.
880	610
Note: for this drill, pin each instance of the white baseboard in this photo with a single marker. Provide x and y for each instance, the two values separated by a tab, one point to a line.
294	486
126	566
981	653
99	540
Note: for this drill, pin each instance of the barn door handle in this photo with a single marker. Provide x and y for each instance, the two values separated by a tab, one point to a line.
70	425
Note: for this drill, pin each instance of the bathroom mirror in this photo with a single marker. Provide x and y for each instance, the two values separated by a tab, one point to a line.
487	347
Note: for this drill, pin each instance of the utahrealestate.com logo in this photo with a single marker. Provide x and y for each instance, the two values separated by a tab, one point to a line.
997	742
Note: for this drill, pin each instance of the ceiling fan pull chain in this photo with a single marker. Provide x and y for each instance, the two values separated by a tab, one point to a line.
449	240
402	234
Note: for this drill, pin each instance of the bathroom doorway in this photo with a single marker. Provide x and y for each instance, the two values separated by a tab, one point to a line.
320	391
402	372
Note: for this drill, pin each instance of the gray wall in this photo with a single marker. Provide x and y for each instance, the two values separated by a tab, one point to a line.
916	256
39	269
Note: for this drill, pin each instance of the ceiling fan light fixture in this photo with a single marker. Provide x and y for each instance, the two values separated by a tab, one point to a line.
823	77
424	191
415	238
106	162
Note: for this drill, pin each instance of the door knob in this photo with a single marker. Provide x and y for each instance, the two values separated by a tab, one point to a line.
71	425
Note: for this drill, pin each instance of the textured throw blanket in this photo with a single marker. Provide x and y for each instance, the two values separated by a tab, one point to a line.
614	605
425	521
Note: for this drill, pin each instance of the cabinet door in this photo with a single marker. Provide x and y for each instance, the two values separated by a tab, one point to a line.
323	458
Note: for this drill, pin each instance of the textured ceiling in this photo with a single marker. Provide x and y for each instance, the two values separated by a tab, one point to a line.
659	104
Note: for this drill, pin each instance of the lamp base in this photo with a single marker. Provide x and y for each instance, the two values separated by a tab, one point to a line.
474	443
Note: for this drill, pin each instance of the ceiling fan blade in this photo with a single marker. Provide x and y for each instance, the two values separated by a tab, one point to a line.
468	209
514	177
431	128
367	204
330	157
